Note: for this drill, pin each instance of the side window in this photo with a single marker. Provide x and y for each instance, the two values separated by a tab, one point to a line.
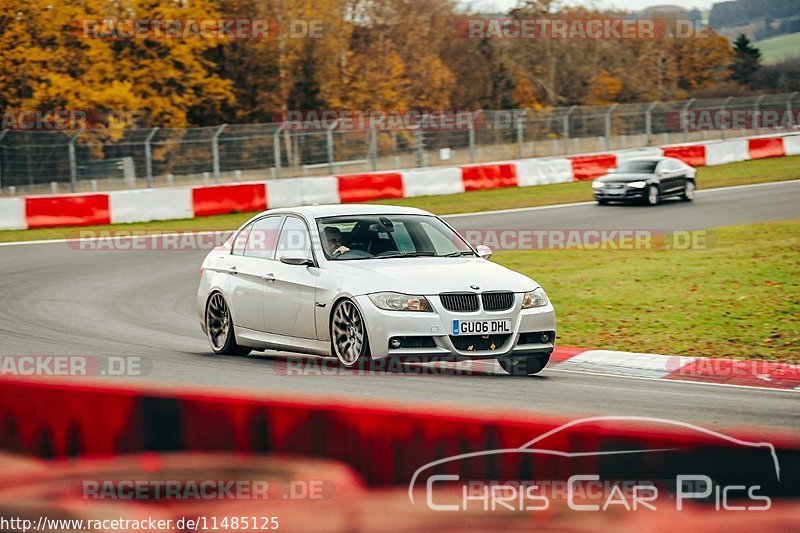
240	240
262	238
294	237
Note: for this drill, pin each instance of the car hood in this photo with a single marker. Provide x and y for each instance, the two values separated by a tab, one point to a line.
430	275
624	178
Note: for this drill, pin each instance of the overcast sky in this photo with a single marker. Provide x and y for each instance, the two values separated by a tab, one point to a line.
504	5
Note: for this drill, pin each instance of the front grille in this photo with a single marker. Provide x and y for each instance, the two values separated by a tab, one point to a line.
460	301
477	343
497	301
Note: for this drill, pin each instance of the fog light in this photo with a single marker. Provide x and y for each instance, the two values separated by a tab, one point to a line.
394	343
545	336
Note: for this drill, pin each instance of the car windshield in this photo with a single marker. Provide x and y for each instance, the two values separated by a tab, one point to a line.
376	237
637	167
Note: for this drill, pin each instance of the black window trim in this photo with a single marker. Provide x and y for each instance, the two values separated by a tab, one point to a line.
308	230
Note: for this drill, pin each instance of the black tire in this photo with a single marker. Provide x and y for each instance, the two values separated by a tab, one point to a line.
349	340
652	195
218	319
525	365
688	191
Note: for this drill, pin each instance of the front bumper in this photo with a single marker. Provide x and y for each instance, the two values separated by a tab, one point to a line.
620	194
384	325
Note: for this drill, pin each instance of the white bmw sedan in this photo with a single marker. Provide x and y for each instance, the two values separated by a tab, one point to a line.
365	282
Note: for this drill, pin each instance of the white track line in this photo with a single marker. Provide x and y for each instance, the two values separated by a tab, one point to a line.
456	215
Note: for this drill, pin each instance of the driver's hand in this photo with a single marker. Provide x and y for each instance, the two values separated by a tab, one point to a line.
340	250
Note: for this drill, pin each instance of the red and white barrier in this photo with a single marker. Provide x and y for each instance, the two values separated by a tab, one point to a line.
12	213
67	210
303	191
166	204
224	199
370	186
724	152
430	181
150	204
763	147
489	176
532	172
791	144
589	167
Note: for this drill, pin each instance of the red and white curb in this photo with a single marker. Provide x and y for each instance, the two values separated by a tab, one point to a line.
732	372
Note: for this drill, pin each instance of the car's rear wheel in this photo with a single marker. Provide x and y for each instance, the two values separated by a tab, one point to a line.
688	192
652	195
524	366
219	328
349	340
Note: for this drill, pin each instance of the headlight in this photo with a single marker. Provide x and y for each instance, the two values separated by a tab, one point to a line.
598	185
637	184
394	301
536	298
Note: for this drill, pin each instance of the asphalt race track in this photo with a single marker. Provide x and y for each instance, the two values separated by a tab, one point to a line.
57	300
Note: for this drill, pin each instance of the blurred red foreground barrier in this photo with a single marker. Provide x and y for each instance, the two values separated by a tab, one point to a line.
283	493
384	445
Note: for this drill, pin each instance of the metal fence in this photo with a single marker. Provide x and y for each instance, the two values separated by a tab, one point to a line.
39	161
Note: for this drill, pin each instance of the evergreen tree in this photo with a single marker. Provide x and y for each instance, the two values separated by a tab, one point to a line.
746	61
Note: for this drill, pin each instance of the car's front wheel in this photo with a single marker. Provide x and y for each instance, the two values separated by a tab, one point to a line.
688	192
524	366
652	195
349	340
219	328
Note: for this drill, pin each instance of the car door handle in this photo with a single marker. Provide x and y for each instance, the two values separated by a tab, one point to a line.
269	277
233	270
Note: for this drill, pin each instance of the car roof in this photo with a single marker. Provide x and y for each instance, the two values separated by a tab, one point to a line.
331	210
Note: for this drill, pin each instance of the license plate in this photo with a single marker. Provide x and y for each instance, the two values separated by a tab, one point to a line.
481	327
615	191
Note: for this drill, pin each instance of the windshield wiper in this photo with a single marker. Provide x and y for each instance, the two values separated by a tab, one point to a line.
406	254
458	254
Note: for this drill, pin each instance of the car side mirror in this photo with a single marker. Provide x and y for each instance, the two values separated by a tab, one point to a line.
484	251
296	257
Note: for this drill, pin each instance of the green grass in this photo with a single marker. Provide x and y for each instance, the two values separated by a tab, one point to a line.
740	298
776	49
760	171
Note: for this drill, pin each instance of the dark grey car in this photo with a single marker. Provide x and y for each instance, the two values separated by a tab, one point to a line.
648	180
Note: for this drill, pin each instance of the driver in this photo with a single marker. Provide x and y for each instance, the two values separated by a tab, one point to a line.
333	241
